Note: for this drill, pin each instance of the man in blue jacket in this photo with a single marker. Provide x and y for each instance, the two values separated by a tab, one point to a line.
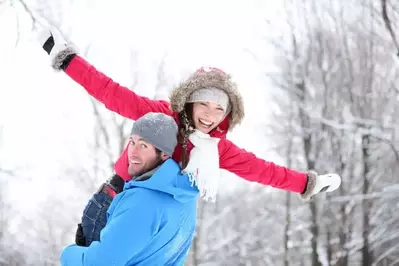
152	221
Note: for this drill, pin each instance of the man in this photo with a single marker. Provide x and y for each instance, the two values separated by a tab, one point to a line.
152	221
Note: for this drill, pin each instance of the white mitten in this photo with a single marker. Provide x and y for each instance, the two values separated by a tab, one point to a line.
320	183
55	45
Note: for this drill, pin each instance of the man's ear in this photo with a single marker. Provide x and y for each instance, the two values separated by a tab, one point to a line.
164	157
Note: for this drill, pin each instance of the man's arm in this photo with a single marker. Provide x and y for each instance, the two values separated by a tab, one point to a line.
129	231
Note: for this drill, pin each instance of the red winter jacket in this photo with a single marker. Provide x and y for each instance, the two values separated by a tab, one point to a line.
130	105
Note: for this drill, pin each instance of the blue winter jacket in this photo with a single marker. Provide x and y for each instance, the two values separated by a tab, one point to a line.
152	222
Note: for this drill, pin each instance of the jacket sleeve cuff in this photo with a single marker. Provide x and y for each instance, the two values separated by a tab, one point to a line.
72	255
310	185
63	58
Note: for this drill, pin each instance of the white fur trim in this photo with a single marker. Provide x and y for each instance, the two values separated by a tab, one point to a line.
203	168
60	57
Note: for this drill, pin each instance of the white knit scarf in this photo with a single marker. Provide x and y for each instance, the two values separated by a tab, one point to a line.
203	167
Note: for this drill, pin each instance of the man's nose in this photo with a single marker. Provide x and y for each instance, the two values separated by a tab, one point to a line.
134	149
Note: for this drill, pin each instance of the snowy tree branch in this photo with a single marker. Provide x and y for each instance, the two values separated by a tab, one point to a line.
388	24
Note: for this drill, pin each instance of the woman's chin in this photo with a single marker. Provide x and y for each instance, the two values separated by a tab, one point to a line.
204	130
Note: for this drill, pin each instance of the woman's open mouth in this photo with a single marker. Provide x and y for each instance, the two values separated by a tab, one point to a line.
205	123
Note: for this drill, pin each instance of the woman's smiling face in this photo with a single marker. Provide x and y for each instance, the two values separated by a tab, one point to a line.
207	116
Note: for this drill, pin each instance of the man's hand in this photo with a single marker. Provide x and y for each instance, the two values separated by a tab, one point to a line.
80	239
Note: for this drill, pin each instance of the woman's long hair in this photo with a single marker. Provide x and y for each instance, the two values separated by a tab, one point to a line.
186	128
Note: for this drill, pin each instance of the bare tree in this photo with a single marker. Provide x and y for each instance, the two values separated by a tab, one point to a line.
290	150
388	24
331	74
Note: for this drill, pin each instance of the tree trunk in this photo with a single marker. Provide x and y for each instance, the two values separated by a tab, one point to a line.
328	240
287	227
366	253
310	165
314	229
196	241
343	261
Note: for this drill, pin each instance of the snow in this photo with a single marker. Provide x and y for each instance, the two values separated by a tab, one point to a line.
53	153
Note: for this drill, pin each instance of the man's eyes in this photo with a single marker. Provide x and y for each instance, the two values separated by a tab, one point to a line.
142	145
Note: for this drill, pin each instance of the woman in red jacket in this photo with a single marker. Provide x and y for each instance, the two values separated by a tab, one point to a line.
206	106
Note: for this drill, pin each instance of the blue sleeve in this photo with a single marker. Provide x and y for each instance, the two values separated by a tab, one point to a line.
127	233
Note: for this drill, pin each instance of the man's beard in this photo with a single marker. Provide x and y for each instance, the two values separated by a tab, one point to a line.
154	164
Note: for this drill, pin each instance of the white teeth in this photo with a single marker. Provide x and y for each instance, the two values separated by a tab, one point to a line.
133	161
207	123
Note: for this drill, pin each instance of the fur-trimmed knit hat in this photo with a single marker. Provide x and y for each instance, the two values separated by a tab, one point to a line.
206	78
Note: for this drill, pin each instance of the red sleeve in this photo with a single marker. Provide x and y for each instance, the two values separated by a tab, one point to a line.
122	164
246	165
115	97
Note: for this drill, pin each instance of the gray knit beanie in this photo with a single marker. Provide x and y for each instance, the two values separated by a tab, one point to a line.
159	130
